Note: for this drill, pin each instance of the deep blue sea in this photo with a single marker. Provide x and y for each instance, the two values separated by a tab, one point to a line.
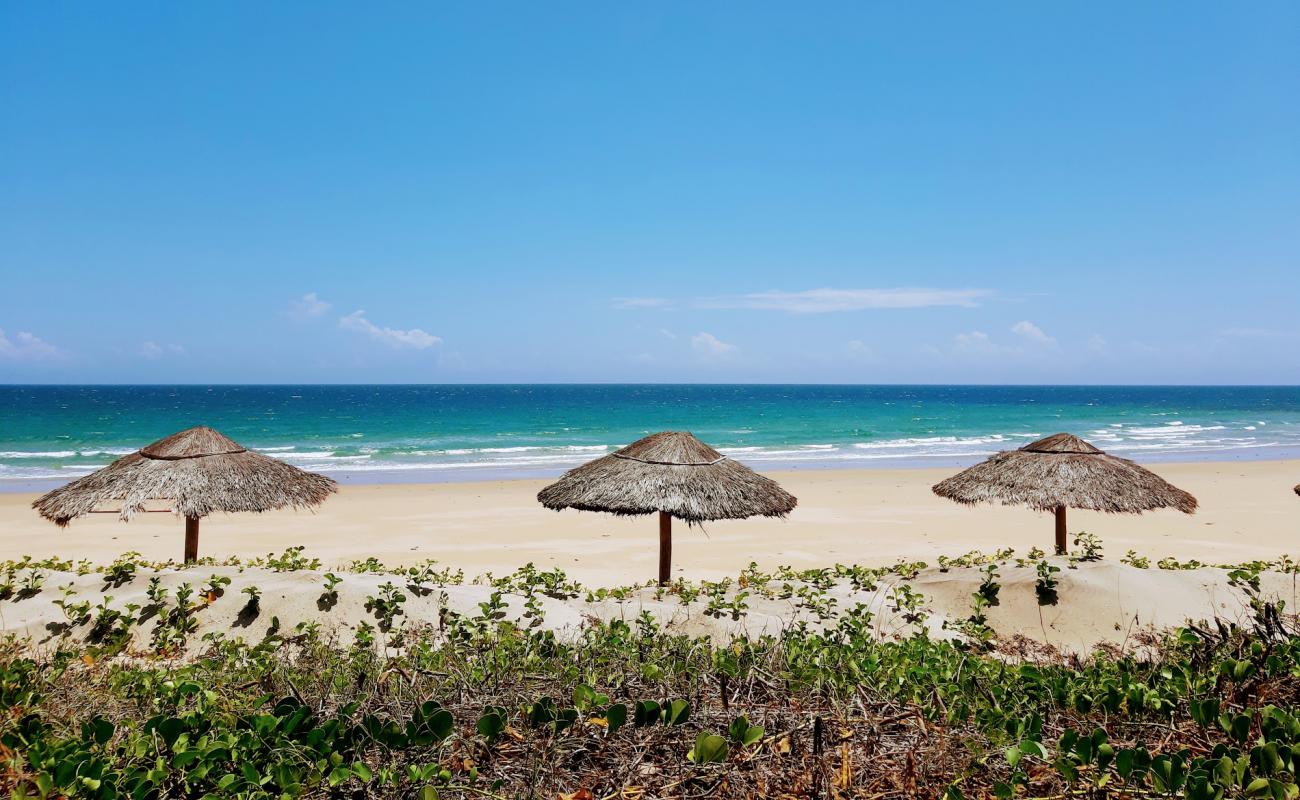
49	434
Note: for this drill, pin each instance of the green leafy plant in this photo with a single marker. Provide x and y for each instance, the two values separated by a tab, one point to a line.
214	588
907	602
32	581
492	723
1046	584
742	734
291	560
989	586
387	607
120	572
709	749
76	613
1088	545
330	597
724	605
1134	560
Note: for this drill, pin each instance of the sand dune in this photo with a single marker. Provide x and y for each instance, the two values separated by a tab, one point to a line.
1097	603
869	517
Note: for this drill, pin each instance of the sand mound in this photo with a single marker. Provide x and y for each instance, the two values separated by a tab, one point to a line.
1096	603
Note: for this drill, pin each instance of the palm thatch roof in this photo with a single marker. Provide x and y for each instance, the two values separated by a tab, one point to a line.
673	472
1064	471
198	471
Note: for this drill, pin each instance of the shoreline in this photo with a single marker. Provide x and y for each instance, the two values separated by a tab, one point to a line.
1248	510
487	472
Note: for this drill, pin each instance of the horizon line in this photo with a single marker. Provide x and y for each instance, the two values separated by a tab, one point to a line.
674	383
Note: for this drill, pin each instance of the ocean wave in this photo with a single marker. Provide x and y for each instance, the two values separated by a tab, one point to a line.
1172	429
937	441
107	451
38	454
317	458
469	451
37	473
1142	435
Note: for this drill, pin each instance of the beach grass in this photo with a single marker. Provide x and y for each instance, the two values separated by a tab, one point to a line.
492	700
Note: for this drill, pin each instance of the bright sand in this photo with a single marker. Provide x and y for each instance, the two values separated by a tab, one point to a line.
1248	510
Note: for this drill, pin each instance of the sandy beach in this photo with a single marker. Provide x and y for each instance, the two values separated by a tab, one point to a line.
1247	510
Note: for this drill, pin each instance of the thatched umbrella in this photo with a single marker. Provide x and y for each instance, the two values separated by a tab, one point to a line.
674	474
198	471
1060	472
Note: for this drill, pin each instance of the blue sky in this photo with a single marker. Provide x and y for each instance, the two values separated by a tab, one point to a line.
480	192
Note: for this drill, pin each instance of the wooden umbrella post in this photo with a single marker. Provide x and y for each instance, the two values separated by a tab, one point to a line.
665	547
1060	531
191	539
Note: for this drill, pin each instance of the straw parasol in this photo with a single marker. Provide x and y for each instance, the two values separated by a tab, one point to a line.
672	473
1063	471
198	471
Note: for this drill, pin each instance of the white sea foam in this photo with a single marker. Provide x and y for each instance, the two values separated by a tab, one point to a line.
304	458
491	451
1154	436
38	454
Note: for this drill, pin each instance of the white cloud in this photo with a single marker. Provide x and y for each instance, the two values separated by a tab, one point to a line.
821	301
25	346
975	340
398	339
641	302
667	334
1028	330
309	306
1032	344
710	345
153	350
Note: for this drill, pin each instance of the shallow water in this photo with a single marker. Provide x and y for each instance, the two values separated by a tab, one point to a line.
436	433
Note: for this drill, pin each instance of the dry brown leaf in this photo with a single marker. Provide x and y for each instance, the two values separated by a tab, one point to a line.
844	778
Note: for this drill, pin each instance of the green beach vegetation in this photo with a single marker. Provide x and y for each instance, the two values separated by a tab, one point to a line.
126	701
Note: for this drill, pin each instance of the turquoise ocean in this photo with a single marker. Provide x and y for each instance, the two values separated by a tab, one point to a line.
385	433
